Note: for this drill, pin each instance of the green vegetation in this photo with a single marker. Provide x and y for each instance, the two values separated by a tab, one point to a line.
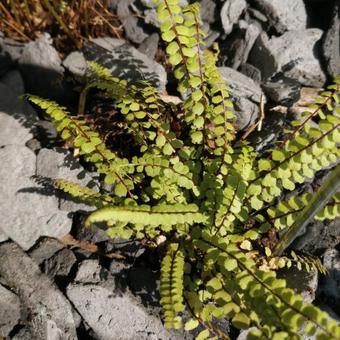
194	190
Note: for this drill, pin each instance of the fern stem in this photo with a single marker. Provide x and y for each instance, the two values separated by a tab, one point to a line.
326	191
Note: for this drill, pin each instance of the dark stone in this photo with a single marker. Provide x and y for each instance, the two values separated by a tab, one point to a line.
282	90
208	11
330	45
149	46
251	72
60	264
45	249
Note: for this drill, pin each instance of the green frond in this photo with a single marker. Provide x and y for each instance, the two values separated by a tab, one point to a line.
84	194
166	215
171	286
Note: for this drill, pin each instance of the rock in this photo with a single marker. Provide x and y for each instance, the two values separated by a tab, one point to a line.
58	163
330	45
41	68
294	54
152	4
290	15
75	63
318	236
230	13
126	62
113	314
9	311
149	46
150	17
23	334
329	289
46	133
301	281
45	249
245	95
130	22
5	62
251	72
3	237
28	211
16	118
282	90
272	128
211	38
13	80
11	48
89	271
240	43
50	314
208	11
59	264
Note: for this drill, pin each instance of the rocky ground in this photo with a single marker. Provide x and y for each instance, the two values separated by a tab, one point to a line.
59	281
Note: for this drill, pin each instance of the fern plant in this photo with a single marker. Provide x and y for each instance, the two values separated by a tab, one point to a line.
208	195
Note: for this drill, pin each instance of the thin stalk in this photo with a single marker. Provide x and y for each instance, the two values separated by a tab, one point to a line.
318	201
15	12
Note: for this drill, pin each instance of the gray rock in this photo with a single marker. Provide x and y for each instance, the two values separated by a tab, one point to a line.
231	12
130	22
13	80
251	72
89	271
59	264
245	94
45	249
3	237
150	17
301	281
330	45
330	284
75	63
28	212
149	46
126	62
59	163
11	48
294	54
9	311
113	314
282	90
151	3
41	68
23	334
317	236
16	118
288	15
46	133
208	9
50	313
211	38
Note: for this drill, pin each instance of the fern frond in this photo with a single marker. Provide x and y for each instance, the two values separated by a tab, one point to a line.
171	286
166	215
84	194
77	132
311	150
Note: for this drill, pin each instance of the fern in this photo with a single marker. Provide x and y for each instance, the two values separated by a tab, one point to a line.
208	195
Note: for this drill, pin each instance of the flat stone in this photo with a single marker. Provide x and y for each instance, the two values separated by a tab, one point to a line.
16	118
41	68
245	95
288	15
75	63
13	80
58	163
330	283
330	45
231	12
28	211
45	249
126	62
113	314
11	48
9	311
251	72
149	46
285	54
89	271
208	11
301	281
60	264
49	311
282	90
